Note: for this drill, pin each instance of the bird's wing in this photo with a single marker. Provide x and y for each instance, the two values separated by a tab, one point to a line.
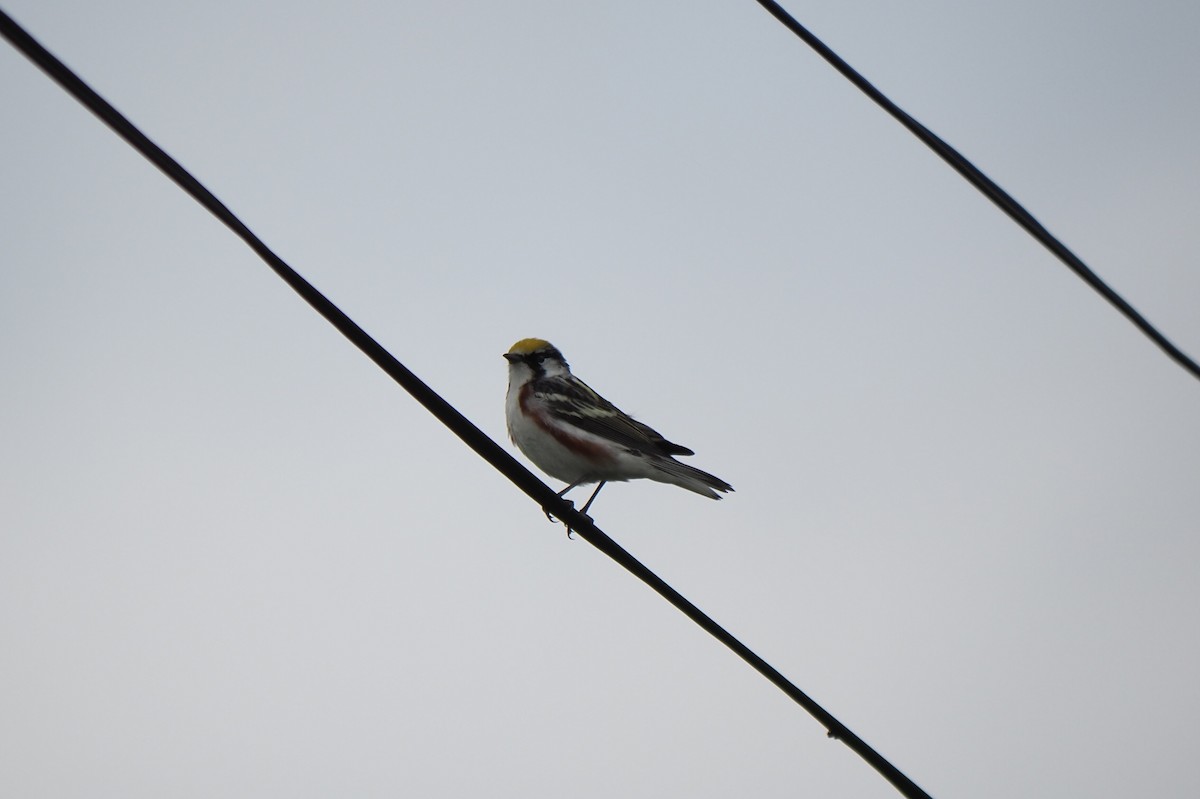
576	403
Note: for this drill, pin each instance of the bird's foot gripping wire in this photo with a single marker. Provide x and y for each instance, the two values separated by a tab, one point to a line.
550	517
583	510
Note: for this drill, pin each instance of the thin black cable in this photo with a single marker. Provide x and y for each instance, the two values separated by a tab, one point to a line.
986	185
447	414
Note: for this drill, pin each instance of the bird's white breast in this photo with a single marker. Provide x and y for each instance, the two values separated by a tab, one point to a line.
546	452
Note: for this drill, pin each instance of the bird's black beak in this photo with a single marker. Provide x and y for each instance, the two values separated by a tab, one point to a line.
512	357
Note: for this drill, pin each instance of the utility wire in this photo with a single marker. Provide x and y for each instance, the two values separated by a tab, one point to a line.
475	438
986	185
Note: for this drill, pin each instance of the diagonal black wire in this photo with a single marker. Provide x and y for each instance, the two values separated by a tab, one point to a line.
447	414
986	185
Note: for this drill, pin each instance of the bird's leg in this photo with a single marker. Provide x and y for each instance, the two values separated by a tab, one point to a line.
560	496
585	507
591	499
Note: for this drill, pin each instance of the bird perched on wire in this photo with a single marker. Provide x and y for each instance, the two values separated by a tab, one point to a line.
573	434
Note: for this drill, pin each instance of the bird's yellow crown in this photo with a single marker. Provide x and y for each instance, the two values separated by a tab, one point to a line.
528	345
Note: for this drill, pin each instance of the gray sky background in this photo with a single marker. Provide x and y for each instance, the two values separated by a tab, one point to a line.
235	560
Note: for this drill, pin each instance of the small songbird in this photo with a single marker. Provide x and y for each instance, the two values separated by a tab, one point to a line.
573	434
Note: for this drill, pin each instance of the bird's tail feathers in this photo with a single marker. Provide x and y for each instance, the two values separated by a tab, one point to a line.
691	478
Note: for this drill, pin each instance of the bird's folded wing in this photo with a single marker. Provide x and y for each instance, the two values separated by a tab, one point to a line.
578	404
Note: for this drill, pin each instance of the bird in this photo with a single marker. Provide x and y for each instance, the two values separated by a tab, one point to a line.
573	434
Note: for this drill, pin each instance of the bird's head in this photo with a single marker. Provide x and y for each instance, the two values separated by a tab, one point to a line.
535	357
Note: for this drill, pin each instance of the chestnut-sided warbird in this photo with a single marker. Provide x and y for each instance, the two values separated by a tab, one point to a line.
573	434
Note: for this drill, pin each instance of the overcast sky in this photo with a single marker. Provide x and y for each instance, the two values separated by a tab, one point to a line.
237	560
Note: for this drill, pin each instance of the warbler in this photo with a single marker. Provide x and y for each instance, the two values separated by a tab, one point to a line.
573	434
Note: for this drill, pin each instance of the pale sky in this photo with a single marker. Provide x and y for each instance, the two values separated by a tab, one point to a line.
236	560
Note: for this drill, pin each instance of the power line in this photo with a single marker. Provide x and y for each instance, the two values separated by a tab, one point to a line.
446	413
986	185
